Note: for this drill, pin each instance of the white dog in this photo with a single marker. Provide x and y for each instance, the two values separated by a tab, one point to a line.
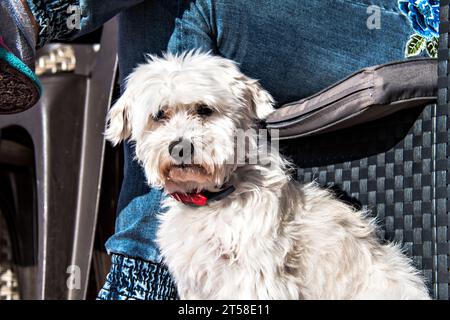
241	230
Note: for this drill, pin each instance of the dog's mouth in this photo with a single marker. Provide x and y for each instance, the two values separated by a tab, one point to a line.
186	170
185	177
185	173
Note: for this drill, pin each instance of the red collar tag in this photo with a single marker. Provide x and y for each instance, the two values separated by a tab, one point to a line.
196	199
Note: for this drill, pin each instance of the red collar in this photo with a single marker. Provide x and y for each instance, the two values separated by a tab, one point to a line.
202	198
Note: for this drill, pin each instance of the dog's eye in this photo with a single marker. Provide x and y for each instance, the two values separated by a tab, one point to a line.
159	116
204	110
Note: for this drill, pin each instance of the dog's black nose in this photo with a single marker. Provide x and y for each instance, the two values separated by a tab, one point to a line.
181	150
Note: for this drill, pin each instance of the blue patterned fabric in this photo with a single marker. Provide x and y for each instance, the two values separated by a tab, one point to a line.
136	279
51	17
67	19
424	16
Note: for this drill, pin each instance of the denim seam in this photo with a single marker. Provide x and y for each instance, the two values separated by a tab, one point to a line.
205	20
181	41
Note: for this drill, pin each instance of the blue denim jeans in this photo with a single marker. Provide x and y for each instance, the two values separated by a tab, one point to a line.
295	48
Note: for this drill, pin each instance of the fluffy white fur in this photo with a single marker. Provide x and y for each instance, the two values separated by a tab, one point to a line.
272	238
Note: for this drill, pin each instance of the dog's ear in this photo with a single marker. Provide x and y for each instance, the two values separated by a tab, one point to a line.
262	101
118	125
